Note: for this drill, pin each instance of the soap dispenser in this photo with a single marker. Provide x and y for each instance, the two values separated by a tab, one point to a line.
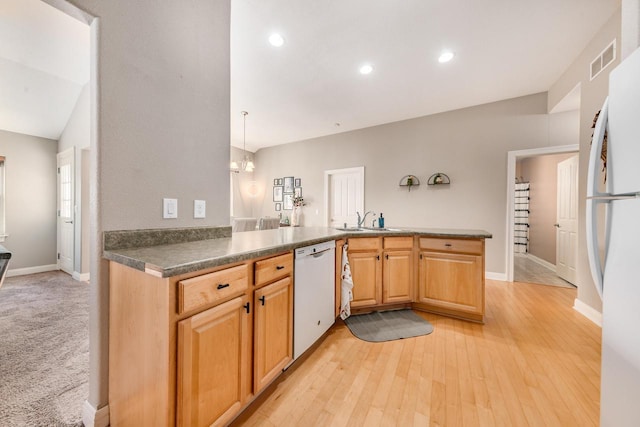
381	221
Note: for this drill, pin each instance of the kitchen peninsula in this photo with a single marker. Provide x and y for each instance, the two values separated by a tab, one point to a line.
201	320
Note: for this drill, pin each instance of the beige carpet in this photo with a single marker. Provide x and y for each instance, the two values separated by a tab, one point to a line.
44	350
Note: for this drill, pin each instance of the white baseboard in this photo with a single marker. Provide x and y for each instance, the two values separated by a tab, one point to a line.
495	276
587	311
80	277
542	262
95	418
31	270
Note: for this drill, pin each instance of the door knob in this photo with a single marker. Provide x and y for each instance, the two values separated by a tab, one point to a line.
556	225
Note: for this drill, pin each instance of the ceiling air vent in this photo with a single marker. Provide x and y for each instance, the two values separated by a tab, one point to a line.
606	57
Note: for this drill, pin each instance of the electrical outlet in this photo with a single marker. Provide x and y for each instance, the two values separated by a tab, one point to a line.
199	209
169	208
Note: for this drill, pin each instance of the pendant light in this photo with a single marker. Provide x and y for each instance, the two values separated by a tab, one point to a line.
246	164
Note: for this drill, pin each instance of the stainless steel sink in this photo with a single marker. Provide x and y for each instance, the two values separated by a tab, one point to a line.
367	229
381	229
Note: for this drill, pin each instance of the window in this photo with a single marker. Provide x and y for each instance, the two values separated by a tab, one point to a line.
3	232
65	190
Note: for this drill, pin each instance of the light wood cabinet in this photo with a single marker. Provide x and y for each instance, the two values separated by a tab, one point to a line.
382	270
214	364
451	277
273	333
397	280
195	349
366	271
199	291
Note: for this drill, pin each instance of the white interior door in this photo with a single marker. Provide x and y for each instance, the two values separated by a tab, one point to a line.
567	219
66	208
344	196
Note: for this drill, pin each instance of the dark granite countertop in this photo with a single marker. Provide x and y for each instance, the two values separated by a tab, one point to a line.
173	259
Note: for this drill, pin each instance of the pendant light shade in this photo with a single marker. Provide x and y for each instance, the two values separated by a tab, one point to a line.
246	164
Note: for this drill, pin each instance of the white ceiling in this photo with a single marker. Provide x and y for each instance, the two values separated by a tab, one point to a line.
504	49
44	63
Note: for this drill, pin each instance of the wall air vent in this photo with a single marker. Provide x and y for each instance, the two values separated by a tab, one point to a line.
606	57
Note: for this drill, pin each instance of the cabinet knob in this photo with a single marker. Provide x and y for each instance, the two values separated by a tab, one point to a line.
246	307
223	285
387	256
448	245
261	299
279	267
378	257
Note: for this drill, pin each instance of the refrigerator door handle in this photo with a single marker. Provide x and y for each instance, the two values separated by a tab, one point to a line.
592	244
594	197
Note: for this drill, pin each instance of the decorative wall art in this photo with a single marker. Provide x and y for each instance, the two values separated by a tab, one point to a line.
288	185
288	202
277	194
285	191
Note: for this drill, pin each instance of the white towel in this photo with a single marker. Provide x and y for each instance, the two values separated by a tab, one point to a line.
346	286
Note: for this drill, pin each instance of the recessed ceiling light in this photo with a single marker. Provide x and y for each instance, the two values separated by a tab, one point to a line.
276	40
445	57
366	69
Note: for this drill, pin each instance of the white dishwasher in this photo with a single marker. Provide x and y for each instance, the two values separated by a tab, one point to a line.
314	294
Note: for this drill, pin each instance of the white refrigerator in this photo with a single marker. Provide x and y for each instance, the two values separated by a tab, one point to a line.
618	278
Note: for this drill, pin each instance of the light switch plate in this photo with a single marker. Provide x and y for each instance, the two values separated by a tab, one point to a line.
169	208
199	209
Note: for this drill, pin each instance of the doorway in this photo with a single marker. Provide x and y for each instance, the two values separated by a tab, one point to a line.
537	262
343	196
66	209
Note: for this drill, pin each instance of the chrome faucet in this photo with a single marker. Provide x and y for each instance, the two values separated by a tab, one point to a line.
361	220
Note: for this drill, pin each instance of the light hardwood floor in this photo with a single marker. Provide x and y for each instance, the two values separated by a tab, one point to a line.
535	362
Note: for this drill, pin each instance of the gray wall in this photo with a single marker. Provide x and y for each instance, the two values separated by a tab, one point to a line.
162	108
77	133
593	94
30	172
470	145
159	96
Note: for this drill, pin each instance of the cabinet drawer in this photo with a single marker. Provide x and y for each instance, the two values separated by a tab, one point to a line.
364	244
273	268
209	288
398	242
452	245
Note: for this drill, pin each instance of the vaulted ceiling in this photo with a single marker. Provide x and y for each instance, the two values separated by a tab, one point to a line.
303	89
311	86
44	63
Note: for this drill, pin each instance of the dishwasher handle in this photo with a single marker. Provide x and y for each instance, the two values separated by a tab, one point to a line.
319	254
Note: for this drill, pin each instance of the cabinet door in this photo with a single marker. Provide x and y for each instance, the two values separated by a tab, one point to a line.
397	282
366	270
273	338
452	281
214	364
